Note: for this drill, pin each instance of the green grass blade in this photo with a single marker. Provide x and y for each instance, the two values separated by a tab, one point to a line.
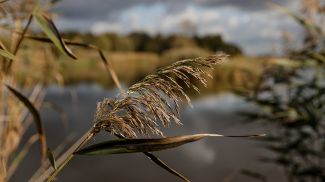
107	64
120	146
52	32
6	54
298	18
51	158
4	51
36	116
317	56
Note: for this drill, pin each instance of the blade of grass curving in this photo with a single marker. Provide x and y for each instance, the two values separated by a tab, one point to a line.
53	2
2	45
107	64
20	40
121	146
110	69
4	51
160	163
36	116
68	155
45	173
51	158
317	56
6	54
300	19
52	32
254	174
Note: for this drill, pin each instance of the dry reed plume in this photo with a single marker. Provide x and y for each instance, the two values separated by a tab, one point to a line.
155	98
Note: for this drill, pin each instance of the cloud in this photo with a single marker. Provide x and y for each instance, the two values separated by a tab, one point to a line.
102	27
249	5
245	22
80	9
256	32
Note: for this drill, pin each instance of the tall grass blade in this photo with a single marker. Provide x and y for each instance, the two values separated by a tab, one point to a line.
254	175
51	158
300	19
107	64
317	56
4	51
19	41
36	116
52	32
160	163
53	2
121	146
6	54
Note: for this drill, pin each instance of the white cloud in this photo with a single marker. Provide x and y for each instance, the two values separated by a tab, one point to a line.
256	32
103	27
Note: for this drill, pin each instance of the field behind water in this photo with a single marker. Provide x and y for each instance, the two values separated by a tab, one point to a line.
239	72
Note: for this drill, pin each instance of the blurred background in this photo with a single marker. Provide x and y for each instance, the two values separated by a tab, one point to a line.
273	83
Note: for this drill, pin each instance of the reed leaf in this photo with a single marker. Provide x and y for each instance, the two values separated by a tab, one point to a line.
300	19
51	158
36	116
121	146
107	64
4	51
53	2
161	163
52	32
6	54
317	56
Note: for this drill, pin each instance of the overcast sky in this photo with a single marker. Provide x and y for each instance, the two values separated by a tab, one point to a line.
251	24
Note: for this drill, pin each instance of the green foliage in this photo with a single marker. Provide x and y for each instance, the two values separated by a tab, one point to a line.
143	42
51	158
52	32
291	94
216	43
36	116
6	54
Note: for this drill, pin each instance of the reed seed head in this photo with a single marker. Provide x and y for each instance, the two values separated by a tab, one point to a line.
153	100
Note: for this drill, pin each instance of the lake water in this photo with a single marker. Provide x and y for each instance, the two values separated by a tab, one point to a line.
212	159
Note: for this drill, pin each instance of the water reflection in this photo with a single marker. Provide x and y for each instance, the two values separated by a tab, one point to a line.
214	159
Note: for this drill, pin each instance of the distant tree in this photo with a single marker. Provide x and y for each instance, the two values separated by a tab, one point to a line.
143	42
179	41
216	43
140	39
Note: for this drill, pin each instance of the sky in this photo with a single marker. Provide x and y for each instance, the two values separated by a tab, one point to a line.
251	24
